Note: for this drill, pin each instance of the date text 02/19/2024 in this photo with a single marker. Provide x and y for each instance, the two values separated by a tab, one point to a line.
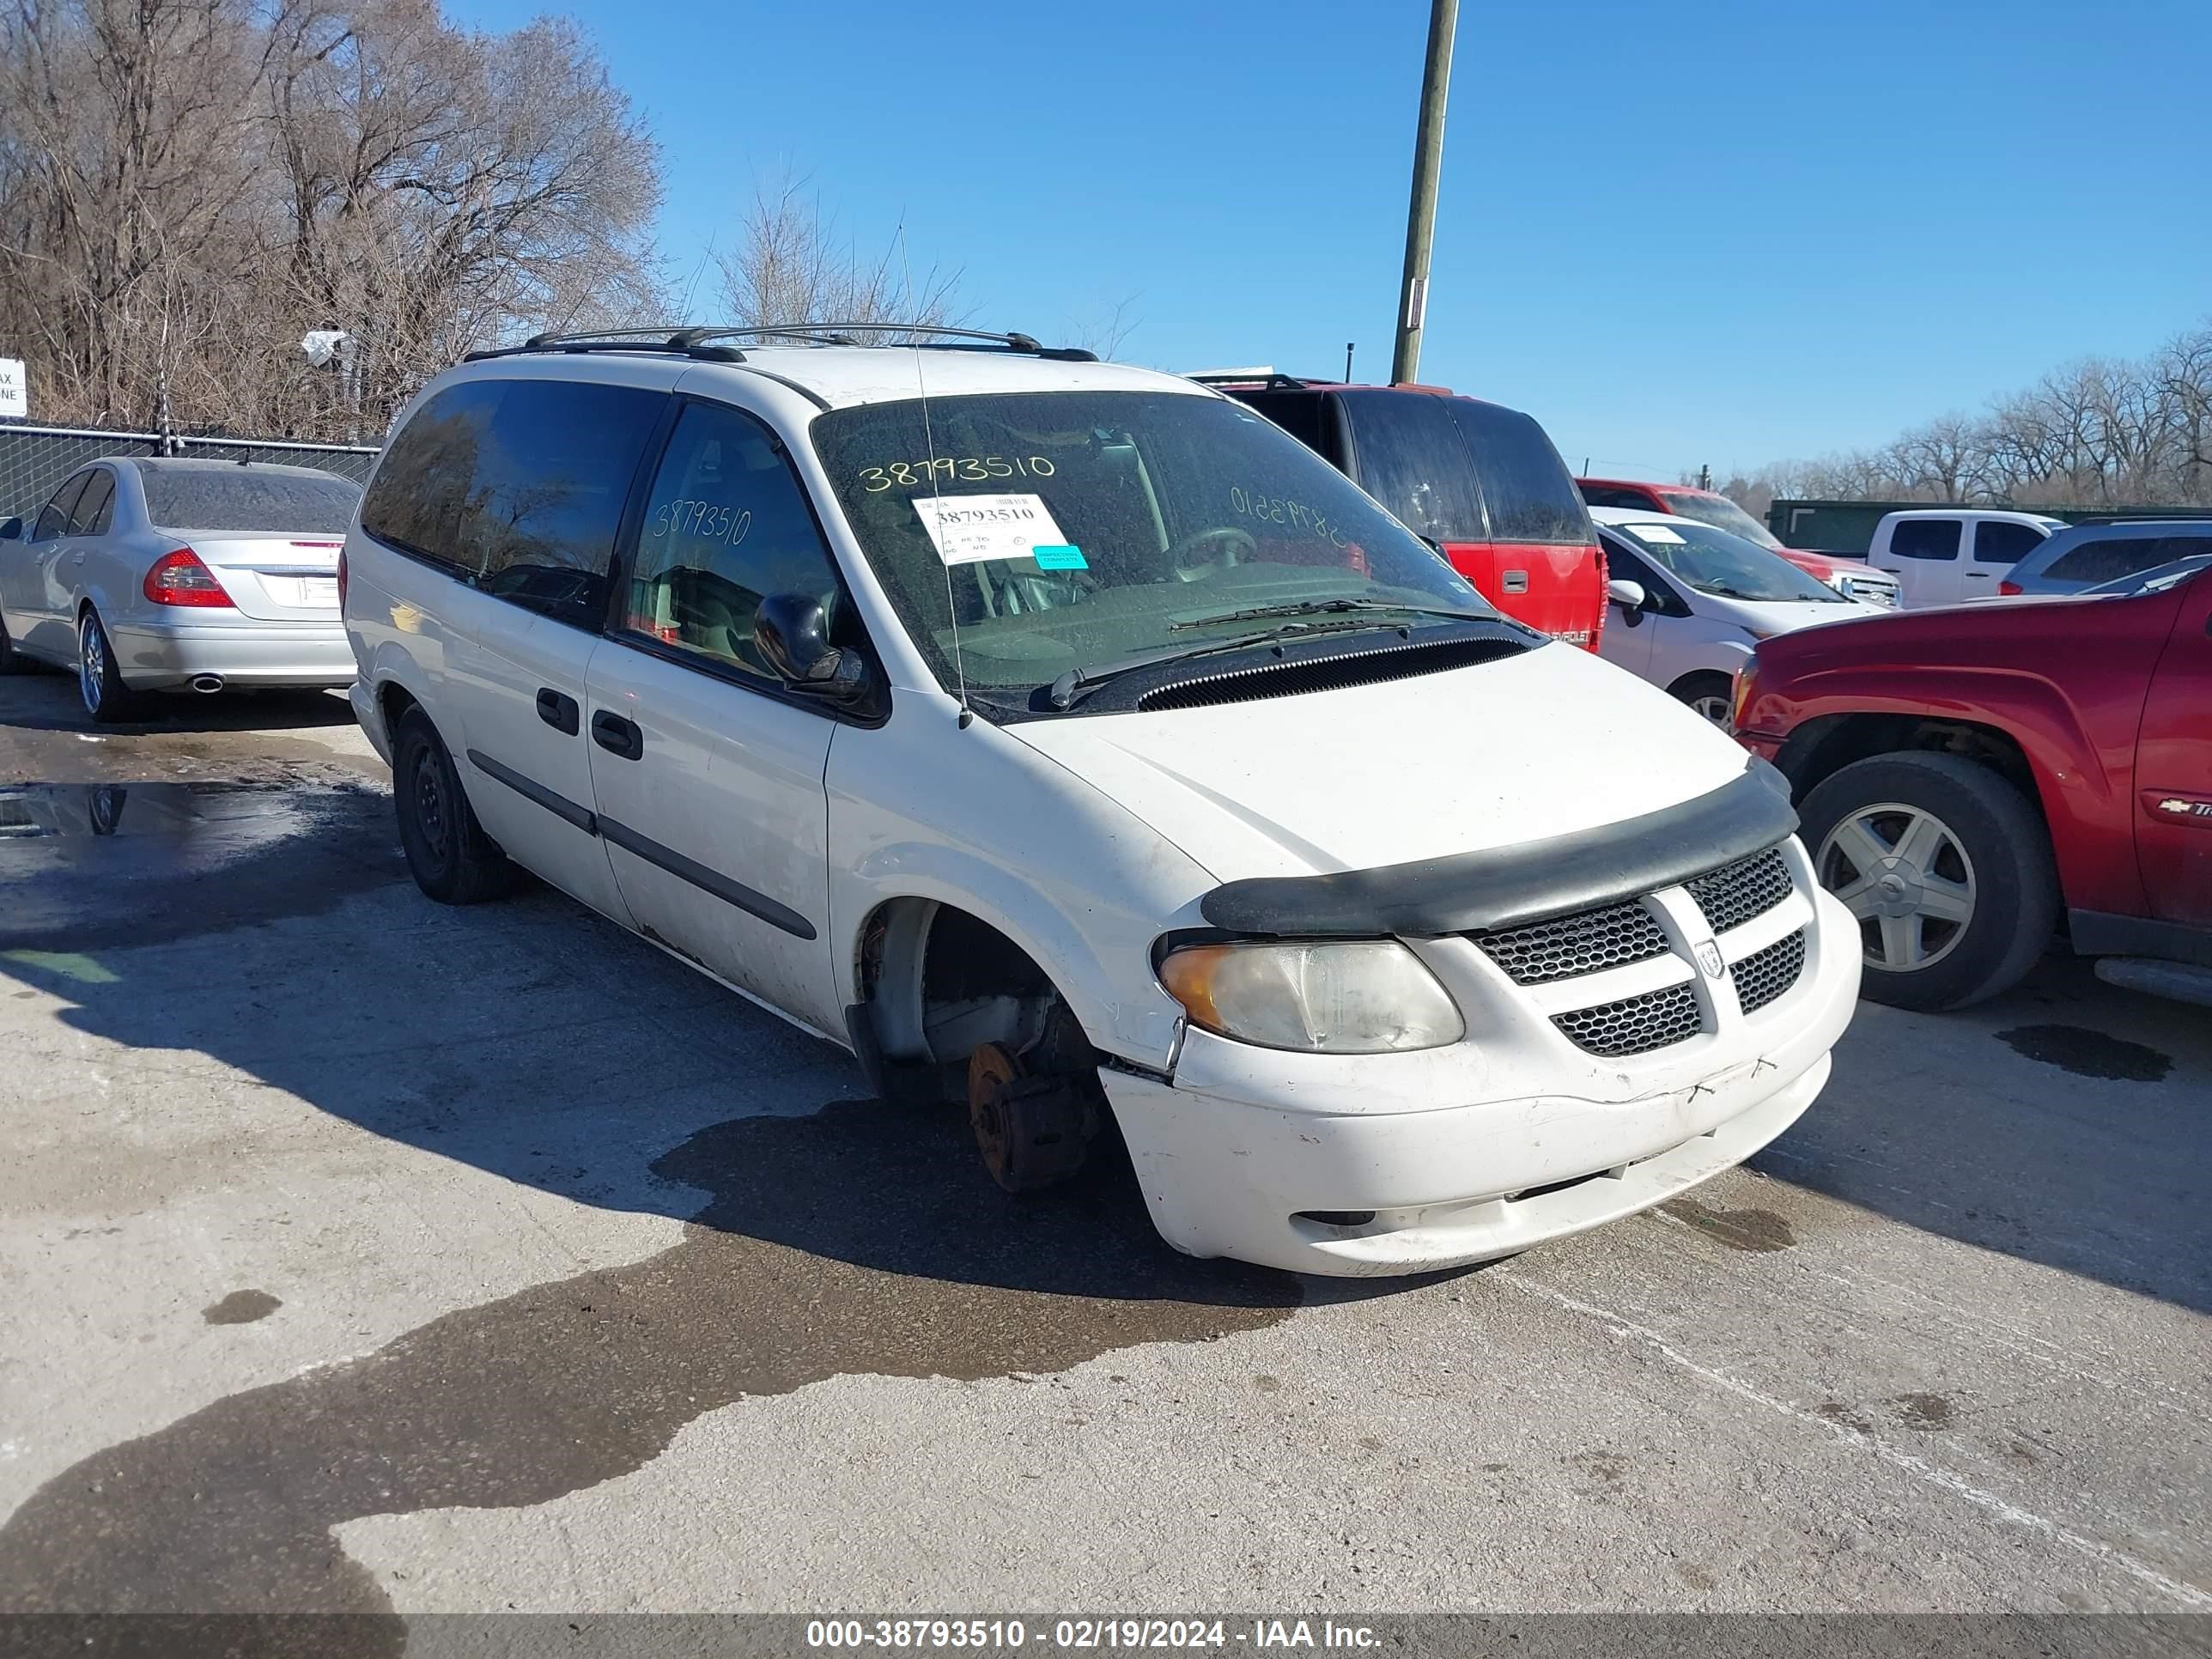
1111	1634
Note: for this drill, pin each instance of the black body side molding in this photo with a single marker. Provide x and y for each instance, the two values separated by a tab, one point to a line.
1510	886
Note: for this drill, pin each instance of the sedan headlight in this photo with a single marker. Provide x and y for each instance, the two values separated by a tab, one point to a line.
1358	997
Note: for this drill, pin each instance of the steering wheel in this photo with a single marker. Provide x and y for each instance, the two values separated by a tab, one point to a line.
1011	592
1236	545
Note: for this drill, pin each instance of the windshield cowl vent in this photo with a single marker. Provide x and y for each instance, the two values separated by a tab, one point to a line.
1290	679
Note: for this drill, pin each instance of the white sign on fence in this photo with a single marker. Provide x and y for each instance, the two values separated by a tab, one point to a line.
14	390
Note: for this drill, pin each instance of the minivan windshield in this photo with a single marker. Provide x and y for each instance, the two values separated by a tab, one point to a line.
1728	567
1073	531
1721	512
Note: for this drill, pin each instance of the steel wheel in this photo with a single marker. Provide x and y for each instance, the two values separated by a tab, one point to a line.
91	663
429	793
1905	874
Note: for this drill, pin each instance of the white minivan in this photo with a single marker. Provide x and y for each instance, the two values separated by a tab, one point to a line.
1690	600
1065	740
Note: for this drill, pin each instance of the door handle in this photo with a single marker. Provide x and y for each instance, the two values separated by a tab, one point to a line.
617	735
558	711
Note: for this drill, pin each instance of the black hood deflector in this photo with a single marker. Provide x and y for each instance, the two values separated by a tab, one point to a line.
1510	886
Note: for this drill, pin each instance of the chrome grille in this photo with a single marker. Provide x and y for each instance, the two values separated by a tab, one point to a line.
1635	1025
1567	947
1765	975
1735	893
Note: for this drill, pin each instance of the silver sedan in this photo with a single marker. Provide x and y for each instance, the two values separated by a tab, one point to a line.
163	574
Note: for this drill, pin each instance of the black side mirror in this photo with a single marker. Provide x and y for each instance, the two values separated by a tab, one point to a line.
793	637
11	530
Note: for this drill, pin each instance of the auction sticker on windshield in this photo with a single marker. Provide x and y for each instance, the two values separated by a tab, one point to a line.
970	529
1652	533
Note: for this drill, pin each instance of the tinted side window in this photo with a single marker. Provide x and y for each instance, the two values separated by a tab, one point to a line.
427	472
2112	556
1298	413
517	486
1530	493
726	525
1623	564
1412	460
54	517
1925	539
2002	543
95	507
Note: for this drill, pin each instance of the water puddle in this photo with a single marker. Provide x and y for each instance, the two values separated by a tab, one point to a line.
45	810
88	867
864	1240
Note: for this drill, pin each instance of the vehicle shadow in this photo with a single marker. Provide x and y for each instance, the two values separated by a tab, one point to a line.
49	702
2066	1122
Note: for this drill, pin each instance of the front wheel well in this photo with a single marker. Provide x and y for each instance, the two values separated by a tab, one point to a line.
1821	749
935	982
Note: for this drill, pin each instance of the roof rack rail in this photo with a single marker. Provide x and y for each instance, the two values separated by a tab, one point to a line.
1266	380
708	342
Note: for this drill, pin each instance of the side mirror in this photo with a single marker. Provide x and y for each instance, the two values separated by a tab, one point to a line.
11	530
793	637
1627	594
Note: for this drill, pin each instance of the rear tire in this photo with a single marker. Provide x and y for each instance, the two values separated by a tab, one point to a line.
99	680
450	858
1938	855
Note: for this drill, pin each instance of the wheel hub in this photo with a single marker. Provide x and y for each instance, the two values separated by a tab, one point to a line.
1905	874
1032	1130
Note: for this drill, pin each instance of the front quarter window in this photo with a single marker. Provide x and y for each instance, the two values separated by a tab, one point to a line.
1020	536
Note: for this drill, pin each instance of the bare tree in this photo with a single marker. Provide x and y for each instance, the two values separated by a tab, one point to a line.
2098	432
792	265
1103	328
188	186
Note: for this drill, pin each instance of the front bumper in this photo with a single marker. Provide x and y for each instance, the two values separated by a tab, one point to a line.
243	654
1238	1155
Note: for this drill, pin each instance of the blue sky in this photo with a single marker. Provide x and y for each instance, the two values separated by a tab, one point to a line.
1696	232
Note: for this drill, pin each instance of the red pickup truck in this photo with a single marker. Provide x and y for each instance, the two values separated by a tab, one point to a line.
1971	780
1481	483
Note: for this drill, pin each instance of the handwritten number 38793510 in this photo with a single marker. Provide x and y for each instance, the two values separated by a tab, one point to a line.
704	521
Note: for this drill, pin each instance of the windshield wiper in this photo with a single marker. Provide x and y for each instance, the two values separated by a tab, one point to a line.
1321	607
1066	691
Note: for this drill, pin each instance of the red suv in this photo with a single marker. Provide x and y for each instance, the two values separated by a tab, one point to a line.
1481	482
1970	780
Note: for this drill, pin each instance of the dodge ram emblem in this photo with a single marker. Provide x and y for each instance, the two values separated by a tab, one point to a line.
1710	959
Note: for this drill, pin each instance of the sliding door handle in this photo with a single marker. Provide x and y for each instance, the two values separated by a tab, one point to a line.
617	735
559	711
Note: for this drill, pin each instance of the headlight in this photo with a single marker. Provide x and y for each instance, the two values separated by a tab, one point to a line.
1363	997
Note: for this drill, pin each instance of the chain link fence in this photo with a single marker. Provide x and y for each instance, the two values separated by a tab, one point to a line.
34	460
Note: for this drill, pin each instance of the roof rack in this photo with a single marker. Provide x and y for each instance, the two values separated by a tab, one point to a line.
1266	380
706	344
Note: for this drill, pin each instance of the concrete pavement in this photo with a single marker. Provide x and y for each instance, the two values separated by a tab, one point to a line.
364	1254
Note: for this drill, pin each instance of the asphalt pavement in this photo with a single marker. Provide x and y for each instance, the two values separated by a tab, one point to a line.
363	1254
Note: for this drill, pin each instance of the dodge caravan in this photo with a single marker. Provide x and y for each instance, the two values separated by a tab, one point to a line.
1065	740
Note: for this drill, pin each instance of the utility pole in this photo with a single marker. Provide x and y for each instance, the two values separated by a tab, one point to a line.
1421	213
1704	477
1347	363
